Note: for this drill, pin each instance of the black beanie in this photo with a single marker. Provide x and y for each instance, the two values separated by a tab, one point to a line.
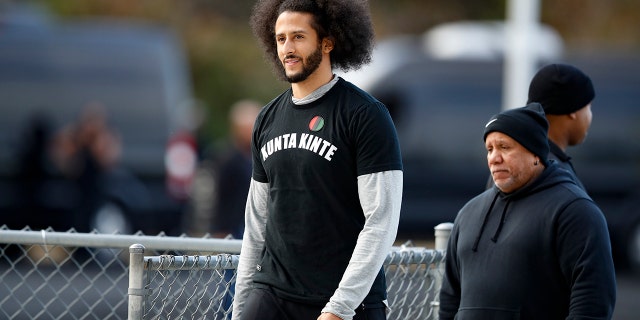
561	89
527	125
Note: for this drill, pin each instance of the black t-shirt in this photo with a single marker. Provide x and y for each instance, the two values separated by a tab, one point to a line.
311	156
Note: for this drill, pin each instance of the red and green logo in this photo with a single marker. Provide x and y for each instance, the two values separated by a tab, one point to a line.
316	123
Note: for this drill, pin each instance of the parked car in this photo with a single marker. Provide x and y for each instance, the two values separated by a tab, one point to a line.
51	75
440	107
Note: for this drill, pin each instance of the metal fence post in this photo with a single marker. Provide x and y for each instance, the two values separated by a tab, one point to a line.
442	233
136	282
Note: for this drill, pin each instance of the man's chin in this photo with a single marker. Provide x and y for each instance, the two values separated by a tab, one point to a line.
295	78
505	186
500	183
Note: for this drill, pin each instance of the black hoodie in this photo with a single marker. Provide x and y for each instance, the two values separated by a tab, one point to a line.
541	252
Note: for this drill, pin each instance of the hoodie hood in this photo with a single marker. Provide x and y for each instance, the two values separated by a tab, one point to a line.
551	176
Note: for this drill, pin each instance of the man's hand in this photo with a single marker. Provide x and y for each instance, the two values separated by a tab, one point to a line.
328	316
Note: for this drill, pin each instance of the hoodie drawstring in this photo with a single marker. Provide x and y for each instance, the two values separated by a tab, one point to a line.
504	214
484	223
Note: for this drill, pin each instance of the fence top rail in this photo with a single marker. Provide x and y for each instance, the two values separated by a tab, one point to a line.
157	242
71	239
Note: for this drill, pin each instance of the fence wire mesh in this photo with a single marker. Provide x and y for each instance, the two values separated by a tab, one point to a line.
46	274
56	282
190	287
414	278
68	275
197	287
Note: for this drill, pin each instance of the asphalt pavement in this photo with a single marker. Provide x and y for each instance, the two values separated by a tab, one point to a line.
628	301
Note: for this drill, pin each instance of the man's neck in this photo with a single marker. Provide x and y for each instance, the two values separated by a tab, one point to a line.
317	79
559	139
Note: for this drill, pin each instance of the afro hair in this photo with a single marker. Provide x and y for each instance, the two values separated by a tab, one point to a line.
346	22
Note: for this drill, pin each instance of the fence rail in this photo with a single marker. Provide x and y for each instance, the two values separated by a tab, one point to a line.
97	240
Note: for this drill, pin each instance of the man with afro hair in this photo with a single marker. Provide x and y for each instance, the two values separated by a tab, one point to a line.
324	199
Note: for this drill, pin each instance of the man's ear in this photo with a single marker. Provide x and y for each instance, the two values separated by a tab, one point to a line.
327	45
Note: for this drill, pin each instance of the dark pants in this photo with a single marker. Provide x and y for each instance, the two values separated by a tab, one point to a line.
262	304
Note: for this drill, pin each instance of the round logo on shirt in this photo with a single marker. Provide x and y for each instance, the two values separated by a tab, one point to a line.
316	123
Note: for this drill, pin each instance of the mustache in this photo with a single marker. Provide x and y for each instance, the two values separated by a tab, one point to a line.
291	56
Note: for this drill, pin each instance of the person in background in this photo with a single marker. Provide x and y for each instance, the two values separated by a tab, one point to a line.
88	152
98	150
565	93
230	174
324	200
533	246
233	173
34	173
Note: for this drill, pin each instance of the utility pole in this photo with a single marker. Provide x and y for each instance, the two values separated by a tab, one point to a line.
520	60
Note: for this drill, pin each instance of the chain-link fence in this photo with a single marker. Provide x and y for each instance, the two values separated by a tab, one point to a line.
201	287
68	275
181	287
57	282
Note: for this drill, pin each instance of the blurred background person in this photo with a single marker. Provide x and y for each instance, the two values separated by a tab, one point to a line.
221	184
34	171
87	152
565	93
87	144
97	152
233	172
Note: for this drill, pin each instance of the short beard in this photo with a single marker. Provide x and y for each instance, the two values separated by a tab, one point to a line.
311	64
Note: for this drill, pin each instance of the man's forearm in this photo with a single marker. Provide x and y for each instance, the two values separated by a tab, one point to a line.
381	197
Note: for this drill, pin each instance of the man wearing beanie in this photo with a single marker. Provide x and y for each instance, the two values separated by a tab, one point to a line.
534	245
565	93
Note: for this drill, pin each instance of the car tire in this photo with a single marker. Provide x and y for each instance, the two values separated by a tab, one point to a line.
111	218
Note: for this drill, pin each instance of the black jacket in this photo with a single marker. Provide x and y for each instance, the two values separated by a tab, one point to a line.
542	252
564	161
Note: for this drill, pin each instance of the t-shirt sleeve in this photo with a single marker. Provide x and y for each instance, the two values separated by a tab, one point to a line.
376	142
257	170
